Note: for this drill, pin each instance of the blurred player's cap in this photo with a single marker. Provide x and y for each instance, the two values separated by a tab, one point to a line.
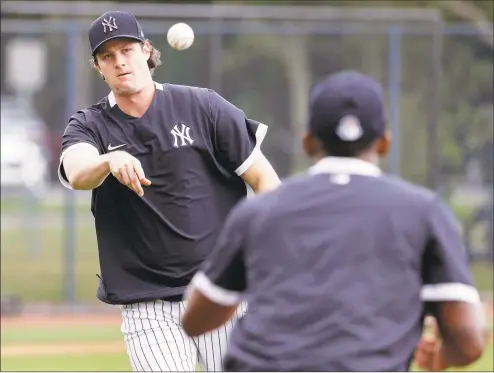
113	25
346	107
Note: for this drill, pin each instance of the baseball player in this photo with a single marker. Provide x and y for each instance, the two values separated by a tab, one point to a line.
340	265
165	164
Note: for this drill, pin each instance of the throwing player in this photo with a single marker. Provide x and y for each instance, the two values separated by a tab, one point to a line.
165	164
337	265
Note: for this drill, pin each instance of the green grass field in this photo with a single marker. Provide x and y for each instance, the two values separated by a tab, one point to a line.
83	363
33	259
46	336
39	276
50	337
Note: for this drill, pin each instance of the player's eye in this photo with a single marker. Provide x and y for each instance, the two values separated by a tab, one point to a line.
126	50
106	56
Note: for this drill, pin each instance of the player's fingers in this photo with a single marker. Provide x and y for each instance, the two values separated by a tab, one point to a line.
423	357
423	362
140	173
137	186
438	363
146	182
116	174
419	354
124	176
431	330
427	345
430	323
134	184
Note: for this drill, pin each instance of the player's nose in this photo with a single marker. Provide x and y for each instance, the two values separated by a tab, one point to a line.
119	60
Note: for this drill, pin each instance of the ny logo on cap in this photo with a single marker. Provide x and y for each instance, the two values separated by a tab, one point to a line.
349	128
110	23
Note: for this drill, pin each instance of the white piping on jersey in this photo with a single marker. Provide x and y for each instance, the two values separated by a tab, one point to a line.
111	96
342	165
447	292
261	131
212	291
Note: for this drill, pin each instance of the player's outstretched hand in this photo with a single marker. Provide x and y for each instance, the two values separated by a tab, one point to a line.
428	354
128	170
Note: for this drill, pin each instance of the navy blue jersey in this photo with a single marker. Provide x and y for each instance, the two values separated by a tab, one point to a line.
336	267
193	145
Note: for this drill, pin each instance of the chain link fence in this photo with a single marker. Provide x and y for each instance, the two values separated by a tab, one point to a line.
437	77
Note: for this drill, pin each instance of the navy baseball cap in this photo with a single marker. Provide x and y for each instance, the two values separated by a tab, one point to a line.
111	25
346	108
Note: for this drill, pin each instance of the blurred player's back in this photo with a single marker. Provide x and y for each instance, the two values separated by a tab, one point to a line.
341	278
338	266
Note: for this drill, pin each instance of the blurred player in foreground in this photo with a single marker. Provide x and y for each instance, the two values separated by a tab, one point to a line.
166	163
339	266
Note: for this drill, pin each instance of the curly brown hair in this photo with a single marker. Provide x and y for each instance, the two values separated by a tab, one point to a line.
153	62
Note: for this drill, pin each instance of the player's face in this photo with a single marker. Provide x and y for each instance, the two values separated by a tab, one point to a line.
123	63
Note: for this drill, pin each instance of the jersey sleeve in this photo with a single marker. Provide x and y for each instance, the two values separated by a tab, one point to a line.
446	272
222	277
76	133
237	139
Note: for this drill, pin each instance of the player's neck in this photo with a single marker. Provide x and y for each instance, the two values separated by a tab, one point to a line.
136	104
366	157
369	157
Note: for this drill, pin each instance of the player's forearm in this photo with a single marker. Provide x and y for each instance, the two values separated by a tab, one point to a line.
267	182
203	315
452	356
459	337
261	176
463	347
88	174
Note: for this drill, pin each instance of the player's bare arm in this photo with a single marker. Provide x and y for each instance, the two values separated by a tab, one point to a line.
203	315
458	337
261	176
86	169
464	330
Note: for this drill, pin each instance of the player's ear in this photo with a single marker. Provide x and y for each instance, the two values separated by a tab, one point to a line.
97	68
384	144
146	48
100	73
311	145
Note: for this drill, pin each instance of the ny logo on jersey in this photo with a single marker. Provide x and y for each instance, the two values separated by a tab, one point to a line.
183	134
110	23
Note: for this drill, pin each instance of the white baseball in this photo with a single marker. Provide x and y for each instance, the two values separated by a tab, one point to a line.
180	36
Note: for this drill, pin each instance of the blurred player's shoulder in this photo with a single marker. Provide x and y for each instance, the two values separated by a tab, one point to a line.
394	187
289	187
397	185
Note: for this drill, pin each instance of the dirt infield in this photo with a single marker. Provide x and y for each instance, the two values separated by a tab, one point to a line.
25	349
62	320
79	348
75	348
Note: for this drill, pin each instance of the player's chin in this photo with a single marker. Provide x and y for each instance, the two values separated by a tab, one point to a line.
126	87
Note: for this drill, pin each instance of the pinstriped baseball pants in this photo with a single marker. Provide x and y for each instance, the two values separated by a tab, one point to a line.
156	342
